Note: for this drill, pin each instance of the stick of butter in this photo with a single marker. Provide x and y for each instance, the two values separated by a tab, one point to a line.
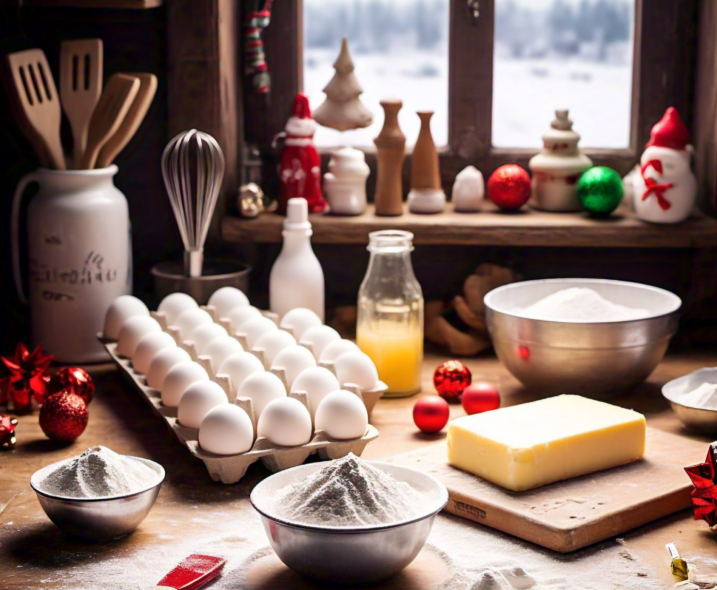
537	443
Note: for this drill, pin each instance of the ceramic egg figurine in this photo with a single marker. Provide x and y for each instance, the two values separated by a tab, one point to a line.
241	315
148	347
356	367
468	190
227	298
334	350
197	400
261	388
292	360
342	415
317	382
318	337
162	362
272	344
202	335
179	377
226	430
219	349
121	309
255	329
298	320
285	422
132	331
172	305
189	320
238	367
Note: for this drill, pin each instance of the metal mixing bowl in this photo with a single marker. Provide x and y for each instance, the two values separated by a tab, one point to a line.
597	359
98	519
698	419
349	555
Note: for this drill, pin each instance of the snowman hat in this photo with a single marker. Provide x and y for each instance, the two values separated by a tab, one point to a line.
300	124
670	132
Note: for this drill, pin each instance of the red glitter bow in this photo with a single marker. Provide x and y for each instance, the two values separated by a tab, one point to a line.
27	376
704	496
653	188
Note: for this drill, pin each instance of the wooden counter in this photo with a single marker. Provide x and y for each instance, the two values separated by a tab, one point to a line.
195	514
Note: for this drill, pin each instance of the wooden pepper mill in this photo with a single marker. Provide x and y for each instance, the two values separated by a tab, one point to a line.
426	194
391	146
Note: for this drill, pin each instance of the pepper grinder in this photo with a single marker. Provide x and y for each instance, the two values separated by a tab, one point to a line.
391	146
426	194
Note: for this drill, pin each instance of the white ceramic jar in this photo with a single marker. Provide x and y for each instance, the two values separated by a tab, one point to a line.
345	182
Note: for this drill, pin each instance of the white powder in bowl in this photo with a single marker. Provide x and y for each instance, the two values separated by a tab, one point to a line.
348	492
578	304
98	473
704	397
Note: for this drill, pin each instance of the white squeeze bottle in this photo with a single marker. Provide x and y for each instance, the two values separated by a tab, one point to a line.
297	279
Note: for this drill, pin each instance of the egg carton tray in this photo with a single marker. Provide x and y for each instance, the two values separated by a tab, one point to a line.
230	469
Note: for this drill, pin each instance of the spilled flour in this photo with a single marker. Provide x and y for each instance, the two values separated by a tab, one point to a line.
348	492
578	304
98	473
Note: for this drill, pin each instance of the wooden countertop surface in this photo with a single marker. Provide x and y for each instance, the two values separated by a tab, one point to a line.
194	514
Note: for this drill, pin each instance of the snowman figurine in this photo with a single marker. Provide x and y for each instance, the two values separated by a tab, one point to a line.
666	188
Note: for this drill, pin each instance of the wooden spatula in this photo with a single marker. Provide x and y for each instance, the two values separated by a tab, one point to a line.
37	104
109	113
132	121
193	572
80	86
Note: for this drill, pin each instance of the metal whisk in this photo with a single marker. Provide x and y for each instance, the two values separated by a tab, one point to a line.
193	169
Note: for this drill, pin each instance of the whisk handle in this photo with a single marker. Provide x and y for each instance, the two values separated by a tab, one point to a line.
193	262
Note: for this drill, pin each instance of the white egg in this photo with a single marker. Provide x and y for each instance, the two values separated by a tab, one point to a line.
241	315
319	337
298	320
174	304
273	343
226	430
356	367
219	349
198	399
261	388
190	320
179	377
293	360
121	309
285	422
255	329
148	347
132	331
238	367
204	334
342	415
317	382
335	349
226	299
163	361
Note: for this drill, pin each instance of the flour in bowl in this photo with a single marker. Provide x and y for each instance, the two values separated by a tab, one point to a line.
704	397
578	304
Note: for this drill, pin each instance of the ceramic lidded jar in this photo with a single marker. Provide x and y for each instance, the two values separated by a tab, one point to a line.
558	167
345	182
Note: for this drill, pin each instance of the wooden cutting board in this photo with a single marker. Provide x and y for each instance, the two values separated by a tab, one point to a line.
571	514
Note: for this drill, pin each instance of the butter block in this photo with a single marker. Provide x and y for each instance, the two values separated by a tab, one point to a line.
534	444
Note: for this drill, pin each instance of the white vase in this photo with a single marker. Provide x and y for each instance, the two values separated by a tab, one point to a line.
345	182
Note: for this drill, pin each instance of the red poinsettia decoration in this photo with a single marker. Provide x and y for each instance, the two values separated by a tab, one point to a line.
27	377
704	496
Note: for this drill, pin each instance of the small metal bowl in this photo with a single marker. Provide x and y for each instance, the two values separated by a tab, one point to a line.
698	419
597	359
349	555
98	519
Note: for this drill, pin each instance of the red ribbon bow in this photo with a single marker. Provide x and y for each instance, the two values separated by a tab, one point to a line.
704	496
27	376
652	187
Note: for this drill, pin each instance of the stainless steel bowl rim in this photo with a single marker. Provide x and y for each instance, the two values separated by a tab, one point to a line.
670	384
242	267
156	466
436	507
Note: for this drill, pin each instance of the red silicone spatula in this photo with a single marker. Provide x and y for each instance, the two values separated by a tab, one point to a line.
193	572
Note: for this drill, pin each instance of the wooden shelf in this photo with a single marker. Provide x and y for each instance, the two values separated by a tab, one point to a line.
490	227
131	4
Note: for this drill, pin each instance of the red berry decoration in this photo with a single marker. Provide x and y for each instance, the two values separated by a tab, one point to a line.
480	397
431	414
7	431
509	187
450	379
63	416
73	379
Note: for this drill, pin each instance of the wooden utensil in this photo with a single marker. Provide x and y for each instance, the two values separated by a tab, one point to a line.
80	87
37	105
193	572
109	113
132	121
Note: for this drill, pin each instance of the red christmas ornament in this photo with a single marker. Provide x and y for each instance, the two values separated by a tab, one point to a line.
431	414
704	496
27	377
73	379
509	187
450	379
480	397
63	416
7	431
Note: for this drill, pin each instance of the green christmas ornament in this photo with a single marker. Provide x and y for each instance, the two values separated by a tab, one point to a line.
600	190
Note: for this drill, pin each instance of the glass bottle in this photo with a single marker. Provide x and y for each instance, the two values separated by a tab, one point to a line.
390	313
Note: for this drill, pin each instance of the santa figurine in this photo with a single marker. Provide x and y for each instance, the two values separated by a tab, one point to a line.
300	166
666	188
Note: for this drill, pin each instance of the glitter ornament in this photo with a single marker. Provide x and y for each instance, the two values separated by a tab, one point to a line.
431	414
480	397
509	187
63	416
71	379
7	431
600	190
450	379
